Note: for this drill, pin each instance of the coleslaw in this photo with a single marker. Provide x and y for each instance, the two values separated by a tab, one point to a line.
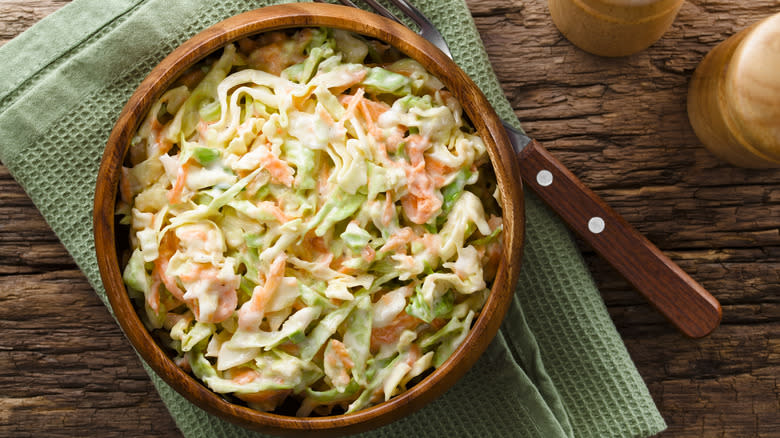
312	220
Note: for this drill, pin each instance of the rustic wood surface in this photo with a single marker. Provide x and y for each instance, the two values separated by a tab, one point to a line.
619	124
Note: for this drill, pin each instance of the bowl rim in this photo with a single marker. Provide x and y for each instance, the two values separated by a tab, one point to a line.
475	105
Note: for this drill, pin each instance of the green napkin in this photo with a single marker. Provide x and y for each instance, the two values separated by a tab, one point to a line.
557	367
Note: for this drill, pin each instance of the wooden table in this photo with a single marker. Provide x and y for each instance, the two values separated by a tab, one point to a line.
619	124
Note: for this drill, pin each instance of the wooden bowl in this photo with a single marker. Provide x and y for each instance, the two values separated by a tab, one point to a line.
475	106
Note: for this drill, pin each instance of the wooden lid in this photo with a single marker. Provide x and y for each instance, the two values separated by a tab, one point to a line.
752	88
631	11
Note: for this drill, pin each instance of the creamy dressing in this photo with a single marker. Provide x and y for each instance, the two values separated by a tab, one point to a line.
313	225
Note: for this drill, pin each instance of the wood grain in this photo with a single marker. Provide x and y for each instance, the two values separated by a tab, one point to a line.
668	288
732	102
619	125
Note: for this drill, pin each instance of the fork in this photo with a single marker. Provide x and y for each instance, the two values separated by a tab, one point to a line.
683	301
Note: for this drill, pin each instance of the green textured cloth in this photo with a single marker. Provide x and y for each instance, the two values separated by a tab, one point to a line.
557	367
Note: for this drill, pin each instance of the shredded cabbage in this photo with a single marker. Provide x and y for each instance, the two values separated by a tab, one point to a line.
309	223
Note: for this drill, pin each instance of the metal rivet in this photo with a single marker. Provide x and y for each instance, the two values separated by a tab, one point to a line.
596	225
544	178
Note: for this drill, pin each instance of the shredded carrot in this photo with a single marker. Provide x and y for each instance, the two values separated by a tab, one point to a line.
273	53
168	246
389	211
370	126
174	194
153	300
338	265
250	315
339	354
323	185
278	169
421	203
275	210
431	242
314	245
414	354
299	101
243	375
438	171
161	145
199	270
369	109
354	79
398	240
338	357
368	253
352	104
415	146
325	116
374	109
290	348
420	209
391	333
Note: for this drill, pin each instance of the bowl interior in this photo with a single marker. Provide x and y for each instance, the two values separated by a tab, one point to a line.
475	106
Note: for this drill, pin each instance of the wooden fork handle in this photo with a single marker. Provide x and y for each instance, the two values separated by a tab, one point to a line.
683	301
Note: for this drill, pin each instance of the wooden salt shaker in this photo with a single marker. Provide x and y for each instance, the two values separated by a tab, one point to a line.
613	27
734	97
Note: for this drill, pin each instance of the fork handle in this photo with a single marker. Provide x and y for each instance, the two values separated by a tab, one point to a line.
683	301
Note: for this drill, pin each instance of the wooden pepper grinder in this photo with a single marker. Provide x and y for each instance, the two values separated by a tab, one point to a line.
734	97
613	27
